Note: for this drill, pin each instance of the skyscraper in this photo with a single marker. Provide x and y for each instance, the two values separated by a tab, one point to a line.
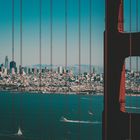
6	62
13	66
60	69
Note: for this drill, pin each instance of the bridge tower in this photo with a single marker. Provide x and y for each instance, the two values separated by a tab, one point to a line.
117	123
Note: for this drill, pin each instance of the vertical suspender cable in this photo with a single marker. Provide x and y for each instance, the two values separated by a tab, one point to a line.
130	51
90	50
20	70
51	69
40	43
13	30
51	45
40	64
79	75
90	60
66	44
90	47
137	58
90	31
20	120
21	33
13	60
105	76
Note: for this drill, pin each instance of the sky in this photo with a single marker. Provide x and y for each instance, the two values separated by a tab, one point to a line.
31	31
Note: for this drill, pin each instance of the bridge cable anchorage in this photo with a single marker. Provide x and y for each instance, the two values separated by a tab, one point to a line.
130	63
79	49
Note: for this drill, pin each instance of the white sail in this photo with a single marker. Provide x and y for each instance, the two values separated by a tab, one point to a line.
19	133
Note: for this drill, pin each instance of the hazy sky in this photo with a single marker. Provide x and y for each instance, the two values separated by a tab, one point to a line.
31	31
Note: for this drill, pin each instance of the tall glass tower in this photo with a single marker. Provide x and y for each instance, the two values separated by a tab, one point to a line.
6	62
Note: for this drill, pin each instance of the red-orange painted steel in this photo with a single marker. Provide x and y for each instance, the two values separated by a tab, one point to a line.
122	83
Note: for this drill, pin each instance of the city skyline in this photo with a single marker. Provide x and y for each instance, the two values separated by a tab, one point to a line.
9	64
30	31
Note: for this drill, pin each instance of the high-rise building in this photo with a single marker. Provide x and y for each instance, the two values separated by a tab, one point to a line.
29	71
21	69
33	70
6	62
2	68
25	69
60	69
13	66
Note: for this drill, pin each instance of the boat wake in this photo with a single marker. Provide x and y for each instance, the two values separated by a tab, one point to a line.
14	135
90	113
18	134
85	98
132	107
63	119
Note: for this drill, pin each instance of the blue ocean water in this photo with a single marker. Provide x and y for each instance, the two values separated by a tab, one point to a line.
51	116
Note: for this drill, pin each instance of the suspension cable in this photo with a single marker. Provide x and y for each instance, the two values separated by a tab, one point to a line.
20	119
79	75
90	47
66	41
13	30
51	43
130	63
66	46
40	43
40	66
13	109
90	61
21	33
51	66
137	58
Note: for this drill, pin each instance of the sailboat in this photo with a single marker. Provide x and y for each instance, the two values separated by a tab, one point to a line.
90	113
19	133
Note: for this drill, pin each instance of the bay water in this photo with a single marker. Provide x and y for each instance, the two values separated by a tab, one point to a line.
52	116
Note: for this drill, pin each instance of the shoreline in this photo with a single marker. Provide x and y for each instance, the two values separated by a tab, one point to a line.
65	93
53	93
